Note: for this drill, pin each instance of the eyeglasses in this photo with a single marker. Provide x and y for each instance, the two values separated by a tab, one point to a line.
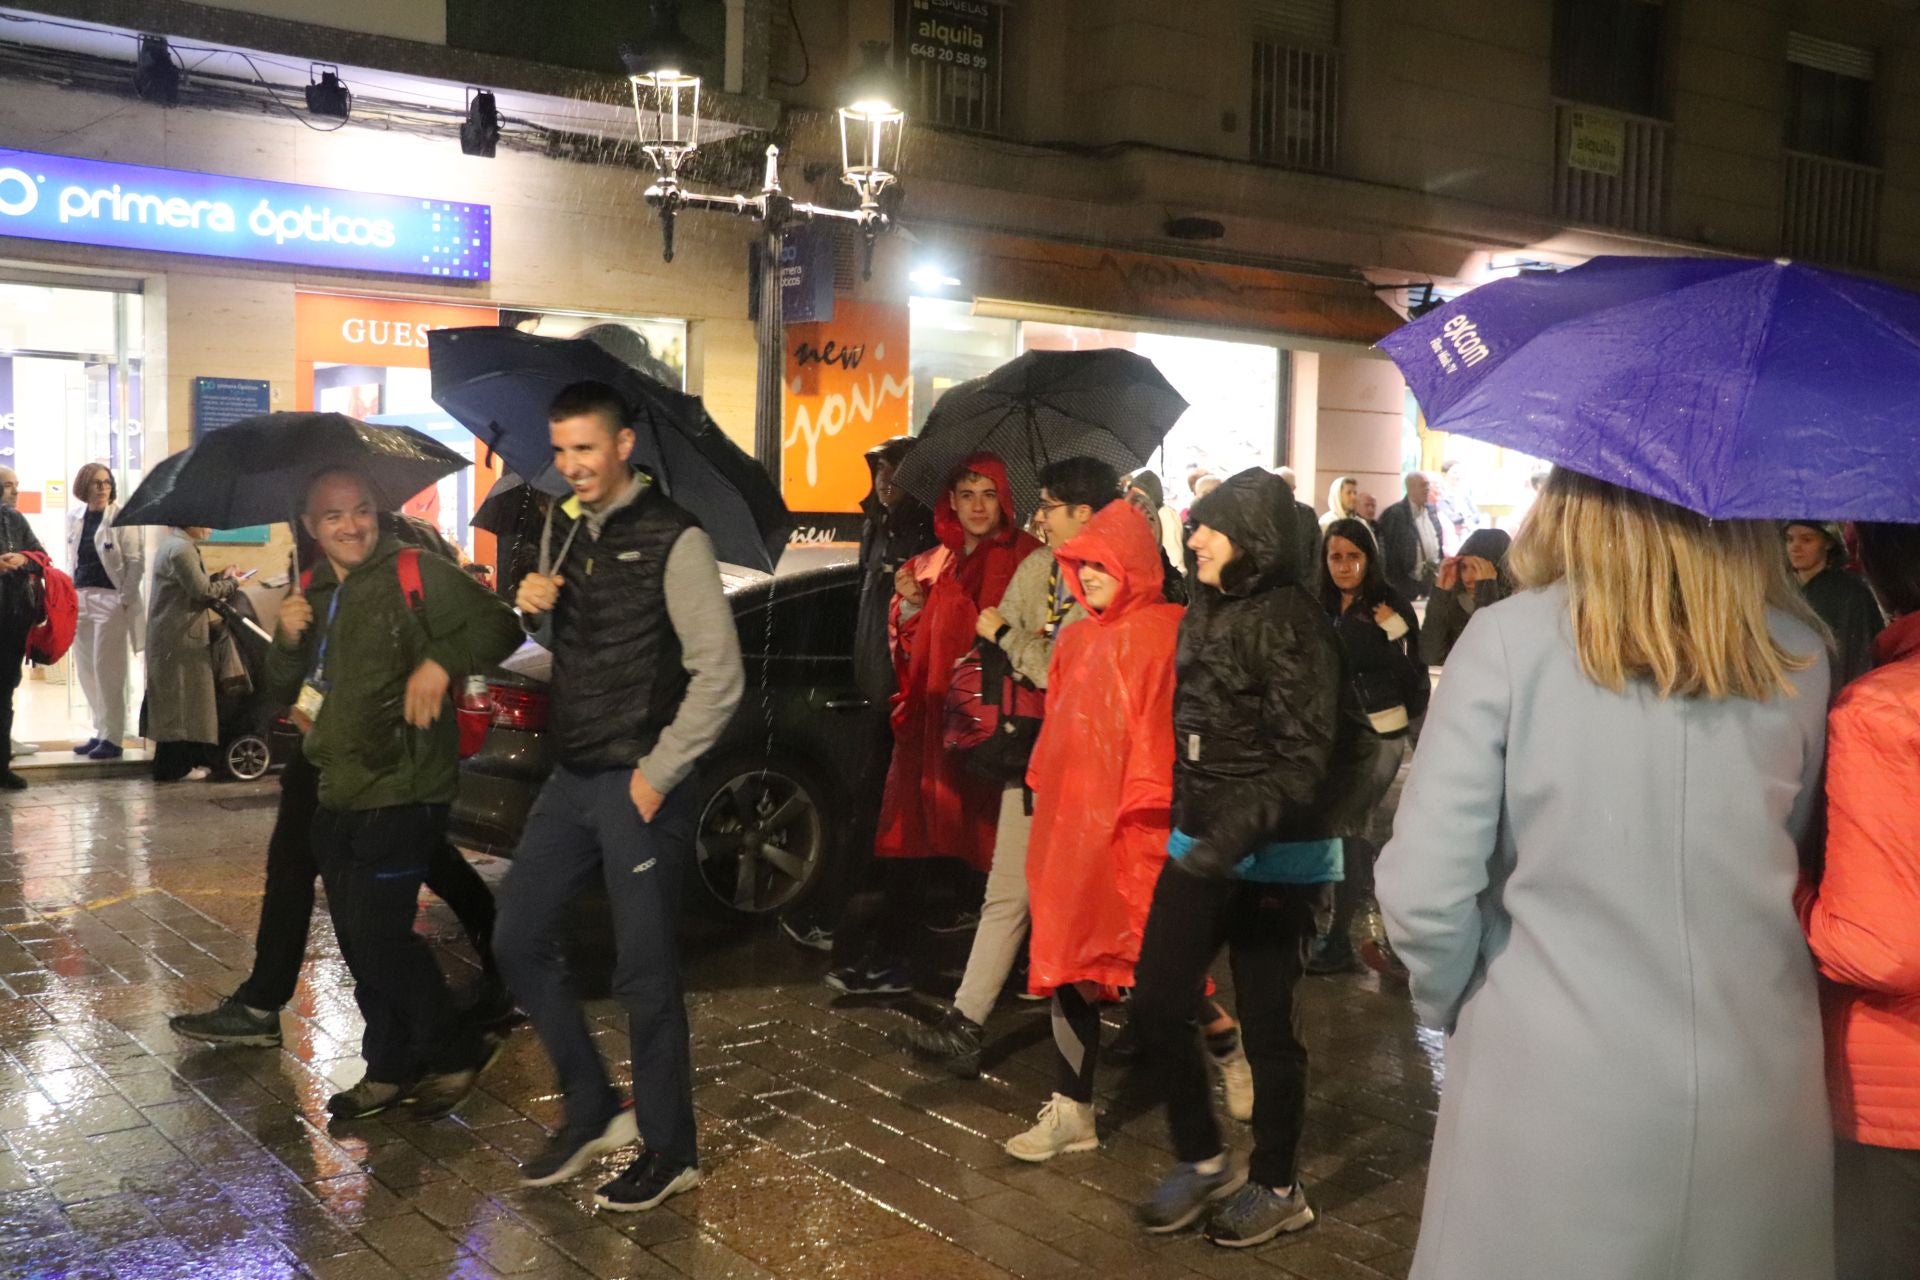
1046	507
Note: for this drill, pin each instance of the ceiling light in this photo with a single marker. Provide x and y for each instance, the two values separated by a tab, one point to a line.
326	96
480	131
155	77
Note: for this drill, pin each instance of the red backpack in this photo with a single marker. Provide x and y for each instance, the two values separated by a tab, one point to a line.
992	716
49	641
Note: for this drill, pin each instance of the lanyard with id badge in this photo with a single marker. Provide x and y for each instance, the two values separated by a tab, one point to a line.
313	691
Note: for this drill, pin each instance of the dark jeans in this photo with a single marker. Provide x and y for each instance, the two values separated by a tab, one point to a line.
373	862
882	925
1876	1218
1266	930
286	908
13	659
584	828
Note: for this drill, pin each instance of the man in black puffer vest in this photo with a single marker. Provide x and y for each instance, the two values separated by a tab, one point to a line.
646	674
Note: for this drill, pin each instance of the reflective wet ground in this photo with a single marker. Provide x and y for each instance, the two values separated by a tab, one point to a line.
829	1152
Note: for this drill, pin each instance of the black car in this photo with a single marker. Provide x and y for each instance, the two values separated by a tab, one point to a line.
791	787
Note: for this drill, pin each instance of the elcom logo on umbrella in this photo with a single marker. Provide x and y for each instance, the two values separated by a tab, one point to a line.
1469	349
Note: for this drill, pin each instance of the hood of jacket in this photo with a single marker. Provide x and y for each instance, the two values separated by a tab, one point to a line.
1149	483
1333	494
892	450
1490	545
1119	540
1255	510
946	522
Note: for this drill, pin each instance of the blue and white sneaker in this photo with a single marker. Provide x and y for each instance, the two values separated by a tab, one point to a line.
1184	1194
1256	1214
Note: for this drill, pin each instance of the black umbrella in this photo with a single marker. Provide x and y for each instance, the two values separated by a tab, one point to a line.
505	505
1107	403
498	382
257	470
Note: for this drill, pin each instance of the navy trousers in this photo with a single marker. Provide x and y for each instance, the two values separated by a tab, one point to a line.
582	828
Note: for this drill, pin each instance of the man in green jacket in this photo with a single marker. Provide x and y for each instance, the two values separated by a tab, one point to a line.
369	684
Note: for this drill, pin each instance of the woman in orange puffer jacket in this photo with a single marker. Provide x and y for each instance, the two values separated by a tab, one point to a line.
1863	920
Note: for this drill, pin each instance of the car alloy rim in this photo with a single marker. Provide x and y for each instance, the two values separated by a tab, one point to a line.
759	841
247	758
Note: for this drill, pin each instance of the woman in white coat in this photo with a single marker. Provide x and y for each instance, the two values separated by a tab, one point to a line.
109	571
1591	884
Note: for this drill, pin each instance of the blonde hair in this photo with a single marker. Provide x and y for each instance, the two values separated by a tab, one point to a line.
1659	593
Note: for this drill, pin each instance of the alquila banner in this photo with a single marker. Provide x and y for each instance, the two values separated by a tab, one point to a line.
126	206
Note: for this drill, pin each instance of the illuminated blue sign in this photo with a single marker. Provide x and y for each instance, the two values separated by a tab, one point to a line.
126	206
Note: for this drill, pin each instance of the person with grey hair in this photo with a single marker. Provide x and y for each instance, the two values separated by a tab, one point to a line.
19	614
1410	540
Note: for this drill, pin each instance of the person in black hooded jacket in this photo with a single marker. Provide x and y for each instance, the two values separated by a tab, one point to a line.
1260	725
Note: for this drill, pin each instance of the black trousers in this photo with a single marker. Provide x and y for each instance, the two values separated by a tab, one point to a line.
286	907
373	862
1876	1218
13	661
1266	930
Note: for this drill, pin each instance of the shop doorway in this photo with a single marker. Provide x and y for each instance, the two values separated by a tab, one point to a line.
70	394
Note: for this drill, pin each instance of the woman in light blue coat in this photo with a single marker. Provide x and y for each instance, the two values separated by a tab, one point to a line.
1591	883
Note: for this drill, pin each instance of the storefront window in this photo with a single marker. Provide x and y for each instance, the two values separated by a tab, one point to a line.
1234	388
367	358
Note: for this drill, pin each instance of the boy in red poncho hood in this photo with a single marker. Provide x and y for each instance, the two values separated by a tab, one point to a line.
932	808
1102	779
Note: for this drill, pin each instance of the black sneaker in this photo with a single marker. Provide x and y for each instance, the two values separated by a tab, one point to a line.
437	1093
11	781
965	920
953	1043
229	1022
891	981
368	1098
572	1150
493	1005
814	937
646	1182
86	746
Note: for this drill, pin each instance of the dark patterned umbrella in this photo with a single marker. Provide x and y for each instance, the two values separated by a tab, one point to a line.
1108	404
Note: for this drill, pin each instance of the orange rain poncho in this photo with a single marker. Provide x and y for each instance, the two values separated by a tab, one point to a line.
932	807
1102	771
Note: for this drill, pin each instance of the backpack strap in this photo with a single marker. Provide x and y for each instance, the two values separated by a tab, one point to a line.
412	589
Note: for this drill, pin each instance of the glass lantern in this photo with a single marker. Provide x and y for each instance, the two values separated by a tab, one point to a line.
871	126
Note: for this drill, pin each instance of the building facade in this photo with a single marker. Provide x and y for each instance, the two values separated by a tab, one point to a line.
1250	192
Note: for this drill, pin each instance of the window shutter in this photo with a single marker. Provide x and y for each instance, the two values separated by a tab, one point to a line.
1311	23
1830	55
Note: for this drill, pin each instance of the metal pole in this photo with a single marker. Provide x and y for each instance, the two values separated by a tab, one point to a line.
770	331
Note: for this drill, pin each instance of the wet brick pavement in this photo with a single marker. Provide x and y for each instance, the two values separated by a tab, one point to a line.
829	1153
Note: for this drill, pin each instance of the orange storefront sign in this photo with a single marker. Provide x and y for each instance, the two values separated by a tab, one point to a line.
335	329
847	382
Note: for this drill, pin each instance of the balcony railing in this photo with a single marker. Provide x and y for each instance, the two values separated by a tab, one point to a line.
1610	169
1296	106
1831	211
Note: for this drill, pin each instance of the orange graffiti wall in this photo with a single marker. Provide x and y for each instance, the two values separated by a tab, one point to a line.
847	383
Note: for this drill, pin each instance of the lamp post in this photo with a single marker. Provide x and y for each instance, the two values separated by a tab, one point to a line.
666	107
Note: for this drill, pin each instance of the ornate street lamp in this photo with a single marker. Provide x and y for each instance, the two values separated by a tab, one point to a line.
666	107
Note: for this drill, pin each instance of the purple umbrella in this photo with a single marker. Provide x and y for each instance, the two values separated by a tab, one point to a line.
1735	388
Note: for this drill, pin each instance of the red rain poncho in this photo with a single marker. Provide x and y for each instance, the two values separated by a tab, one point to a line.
932	807
1102	771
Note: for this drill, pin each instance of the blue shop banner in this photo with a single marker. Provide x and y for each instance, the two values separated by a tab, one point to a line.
125	206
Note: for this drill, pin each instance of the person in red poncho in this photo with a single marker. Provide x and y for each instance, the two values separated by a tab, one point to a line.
932	808
1102	779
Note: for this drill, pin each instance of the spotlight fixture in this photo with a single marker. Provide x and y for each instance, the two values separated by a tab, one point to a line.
480	132
326	96
155	77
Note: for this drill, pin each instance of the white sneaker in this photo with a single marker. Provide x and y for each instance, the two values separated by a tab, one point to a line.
1065	1125
1236	1079
199	773
23	748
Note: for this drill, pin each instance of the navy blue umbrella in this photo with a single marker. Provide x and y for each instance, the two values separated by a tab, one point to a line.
498	382
1734	388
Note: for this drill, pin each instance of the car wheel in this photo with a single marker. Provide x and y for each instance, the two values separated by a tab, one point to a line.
247	757
762	840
